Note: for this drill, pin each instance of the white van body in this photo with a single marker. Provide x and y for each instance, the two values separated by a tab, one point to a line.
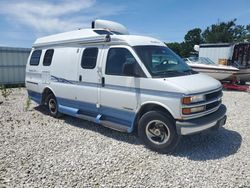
117	101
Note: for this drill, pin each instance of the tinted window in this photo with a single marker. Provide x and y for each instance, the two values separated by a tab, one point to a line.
89	57
35	57
162	62
48	57
117	57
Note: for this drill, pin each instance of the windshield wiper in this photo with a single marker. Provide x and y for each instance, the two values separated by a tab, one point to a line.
168	73
190	71
172	73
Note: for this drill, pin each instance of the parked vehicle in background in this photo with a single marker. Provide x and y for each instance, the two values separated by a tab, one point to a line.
207	66
124	82
237	55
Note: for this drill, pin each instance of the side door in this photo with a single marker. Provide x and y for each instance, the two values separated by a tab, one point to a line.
119	94
47	60
33	75
88	80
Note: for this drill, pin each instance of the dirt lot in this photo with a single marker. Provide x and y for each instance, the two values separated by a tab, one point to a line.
37	150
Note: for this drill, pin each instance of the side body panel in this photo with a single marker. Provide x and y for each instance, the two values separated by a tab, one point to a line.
33	79
63	77
117	100
119	96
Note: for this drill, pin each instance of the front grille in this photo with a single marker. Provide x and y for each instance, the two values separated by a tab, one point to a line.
213	105
213	95
212	102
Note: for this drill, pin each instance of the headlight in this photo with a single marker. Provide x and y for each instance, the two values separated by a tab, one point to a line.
187	111
193	99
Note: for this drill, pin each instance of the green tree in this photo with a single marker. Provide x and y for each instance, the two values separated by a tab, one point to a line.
240	33
185	48
175	46
222	32
247	37
192	38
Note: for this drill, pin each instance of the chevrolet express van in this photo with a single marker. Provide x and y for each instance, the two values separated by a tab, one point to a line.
124	82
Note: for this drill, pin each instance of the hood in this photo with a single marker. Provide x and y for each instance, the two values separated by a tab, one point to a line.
195	83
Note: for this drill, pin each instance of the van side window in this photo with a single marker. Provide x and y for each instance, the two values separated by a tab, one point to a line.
89	58
48	57
117	57
35	57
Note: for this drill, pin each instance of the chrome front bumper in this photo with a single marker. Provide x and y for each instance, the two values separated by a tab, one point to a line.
214	120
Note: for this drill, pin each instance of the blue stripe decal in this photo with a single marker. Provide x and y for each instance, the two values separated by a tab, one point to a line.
118	116
72	107
112	114
89	107
89	84
61	80
35	96
122	88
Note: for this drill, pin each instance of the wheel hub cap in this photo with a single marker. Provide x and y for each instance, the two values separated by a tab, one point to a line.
157	132
52	105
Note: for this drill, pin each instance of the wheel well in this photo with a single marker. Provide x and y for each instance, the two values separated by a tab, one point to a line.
45	94
150	107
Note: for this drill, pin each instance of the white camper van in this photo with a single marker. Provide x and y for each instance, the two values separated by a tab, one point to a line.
124	82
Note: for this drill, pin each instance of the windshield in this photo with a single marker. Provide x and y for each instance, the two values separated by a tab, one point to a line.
162	62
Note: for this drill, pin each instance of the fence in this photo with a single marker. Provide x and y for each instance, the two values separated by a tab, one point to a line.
12	65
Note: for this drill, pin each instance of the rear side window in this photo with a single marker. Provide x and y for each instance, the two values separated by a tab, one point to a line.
48	57
35	57
89	58
117	57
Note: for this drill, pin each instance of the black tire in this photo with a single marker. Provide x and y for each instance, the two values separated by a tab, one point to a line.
52	106
148	125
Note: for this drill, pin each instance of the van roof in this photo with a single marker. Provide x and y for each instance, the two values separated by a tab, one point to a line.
90	36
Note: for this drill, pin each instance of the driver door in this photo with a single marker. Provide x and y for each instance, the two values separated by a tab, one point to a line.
119	94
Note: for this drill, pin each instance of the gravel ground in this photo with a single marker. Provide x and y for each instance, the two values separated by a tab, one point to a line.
37	150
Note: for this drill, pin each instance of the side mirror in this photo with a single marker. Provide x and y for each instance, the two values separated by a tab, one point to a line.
129	69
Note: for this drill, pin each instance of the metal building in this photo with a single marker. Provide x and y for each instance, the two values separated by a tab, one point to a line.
216	51
12	65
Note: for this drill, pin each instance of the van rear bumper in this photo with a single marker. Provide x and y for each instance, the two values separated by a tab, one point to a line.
212	121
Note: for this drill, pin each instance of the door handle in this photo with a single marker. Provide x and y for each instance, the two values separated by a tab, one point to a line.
103	81
80	78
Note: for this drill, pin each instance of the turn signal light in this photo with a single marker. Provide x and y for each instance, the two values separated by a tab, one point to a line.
187	111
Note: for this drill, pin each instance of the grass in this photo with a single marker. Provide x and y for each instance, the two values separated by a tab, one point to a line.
28	103
5	91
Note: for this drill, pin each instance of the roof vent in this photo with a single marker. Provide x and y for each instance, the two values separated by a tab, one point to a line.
114	27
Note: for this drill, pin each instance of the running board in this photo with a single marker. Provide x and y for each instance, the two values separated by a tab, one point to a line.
86	117
115	126
105	123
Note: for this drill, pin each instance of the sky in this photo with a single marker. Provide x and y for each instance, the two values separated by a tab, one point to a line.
22	21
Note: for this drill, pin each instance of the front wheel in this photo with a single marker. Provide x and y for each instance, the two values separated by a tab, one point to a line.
53	106
157	131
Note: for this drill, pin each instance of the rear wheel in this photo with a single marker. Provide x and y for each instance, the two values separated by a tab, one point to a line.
157	131
53	106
